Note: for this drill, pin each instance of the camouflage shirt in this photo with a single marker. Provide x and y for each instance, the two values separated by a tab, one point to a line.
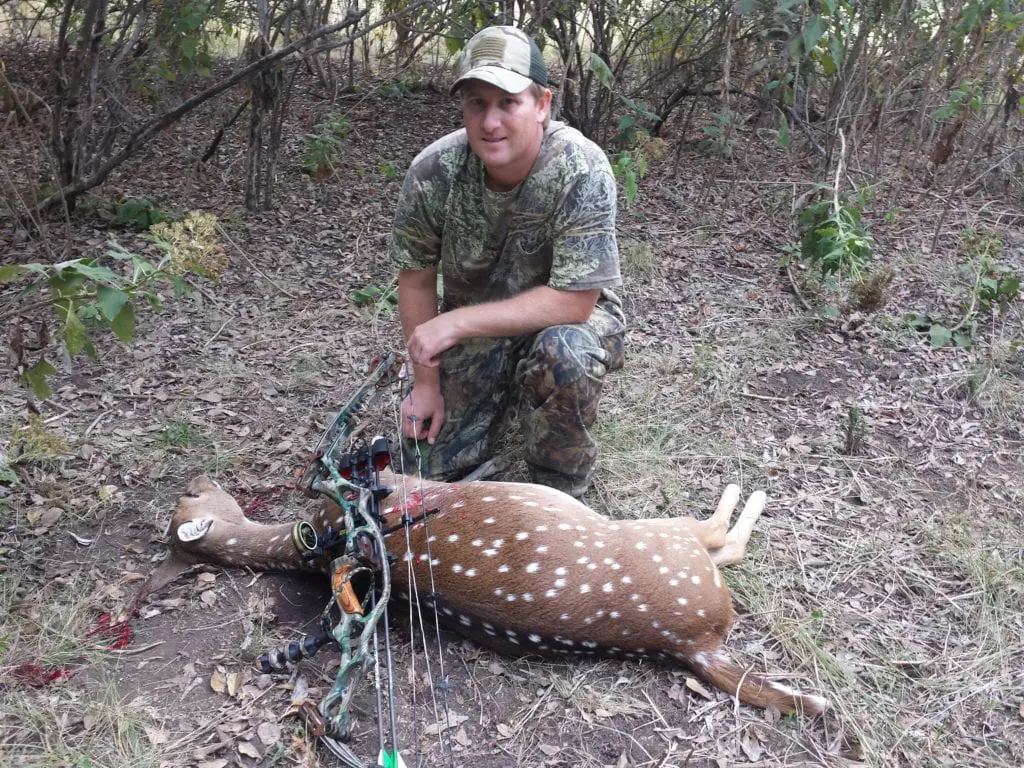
557	228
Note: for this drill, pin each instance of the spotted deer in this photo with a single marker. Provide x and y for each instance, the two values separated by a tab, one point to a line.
525	568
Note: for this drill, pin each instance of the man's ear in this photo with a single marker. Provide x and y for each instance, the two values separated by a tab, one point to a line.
544	103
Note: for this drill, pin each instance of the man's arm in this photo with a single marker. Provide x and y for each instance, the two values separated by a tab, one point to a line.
527	312
423	408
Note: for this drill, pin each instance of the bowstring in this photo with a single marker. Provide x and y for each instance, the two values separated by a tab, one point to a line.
415	606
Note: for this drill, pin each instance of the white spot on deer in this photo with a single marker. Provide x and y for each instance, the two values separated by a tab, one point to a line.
497	543
564	617
584	588
533	568
695	579
564	527
514	497
591	566
641	545
488	498
578	544
489	521
522	536
490	552
663	570
448	611
457	568
634	597
615	566
607	588
530	504
471	573
274	539
551	593
560	583
613	527
477	542
423	557
231	542
511	598
677	546
614	615
560	571
488	625
464	620
270	550
408	557
527	597
541	528
589	644
435	562
642	607
656	624
542	549
599	544
673	582
453	538
498	591
656	558
503	568
583	560
649	534
682	600
627	580
458	505
534	638
700	612
718	580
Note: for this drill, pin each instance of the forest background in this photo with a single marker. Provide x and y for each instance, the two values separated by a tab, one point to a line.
821	237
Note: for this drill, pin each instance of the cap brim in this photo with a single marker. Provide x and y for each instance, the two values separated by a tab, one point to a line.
499	77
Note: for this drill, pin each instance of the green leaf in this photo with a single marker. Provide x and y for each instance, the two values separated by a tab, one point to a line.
602	70
35	378
782	133
75	336
124	324
939	335
111	301
11	271
96	272
812	33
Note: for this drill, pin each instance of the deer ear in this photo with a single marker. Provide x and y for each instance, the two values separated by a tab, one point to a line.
193	530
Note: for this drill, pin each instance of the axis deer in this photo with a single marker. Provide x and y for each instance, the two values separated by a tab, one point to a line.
525	568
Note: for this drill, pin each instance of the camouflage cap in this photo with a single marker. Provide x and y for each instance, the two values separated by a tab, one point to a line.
505	57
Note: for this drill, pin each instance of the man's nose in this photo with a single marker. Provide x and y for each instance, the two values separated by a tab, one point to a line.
492	118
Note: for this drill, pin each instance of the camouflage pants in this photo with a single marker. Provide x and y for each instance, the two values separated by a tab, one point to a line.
555	376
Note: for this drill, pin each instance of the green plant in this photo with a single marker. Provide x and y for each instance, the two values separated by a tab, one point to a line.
992	288
390	171
718	136
834	238
321	151
383	300
103	291
856	431
180	434
138	214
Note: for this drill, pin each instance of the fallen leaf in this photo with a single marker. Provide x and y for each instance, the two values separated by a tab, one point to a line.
246	748
694	685
220	762
209	597
234	682
504	731
106	491
218	680
549	749
269	733
452	721
463	738
155	735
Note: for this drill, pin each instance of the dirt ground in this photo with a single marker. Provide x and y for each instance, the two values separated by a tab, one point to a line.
886	574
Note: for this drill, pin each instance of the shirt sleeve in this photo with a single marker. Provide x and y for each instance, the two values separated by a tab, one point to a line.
584	251
416	236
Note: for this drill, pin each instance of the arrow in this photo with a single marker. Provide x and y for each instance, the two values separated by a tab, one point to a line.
390	759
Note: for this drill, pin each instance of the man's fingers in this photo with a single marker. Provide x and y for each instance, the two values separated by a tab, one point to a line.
436	422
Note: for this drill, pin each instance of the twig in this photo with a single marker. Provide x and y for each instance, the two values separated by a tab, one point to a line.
212	338
249	261
135	651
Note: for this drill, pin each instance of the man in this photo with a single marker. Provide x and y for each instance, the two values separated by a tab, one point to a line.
519	212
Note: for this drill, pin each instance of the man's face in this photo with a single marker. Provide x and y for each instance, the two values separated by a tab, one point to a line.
504	129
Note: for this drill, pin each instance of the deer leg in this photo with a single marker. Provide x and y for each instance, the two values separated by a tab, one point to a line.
735	547
712	532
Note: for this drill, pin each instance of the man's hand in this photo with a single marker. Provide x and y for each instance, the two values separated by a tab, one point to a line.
430	339
423	413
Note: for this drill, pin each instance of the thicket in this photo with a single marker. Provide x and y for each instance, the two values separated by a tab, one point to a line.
856	87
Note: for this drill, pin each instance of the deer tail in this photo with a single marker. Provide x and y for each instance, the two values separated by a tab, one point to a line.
720	670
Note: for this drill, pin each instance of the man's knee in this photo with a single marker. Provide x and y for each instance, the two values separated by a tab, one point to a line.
563	356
